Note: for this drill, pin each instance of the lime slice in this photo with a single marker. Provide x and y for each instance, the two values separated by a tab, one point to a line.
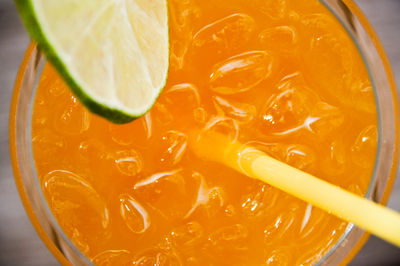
113	54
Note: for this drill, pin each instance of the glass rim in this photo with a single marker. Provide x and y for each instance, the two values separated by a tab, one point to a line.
56	250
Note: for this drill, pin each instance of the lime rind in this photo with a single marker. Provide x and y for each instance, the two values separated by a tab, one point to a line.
115	115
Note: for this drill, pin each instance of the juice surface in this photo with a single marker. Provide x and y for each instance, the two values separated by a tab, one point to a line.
282	76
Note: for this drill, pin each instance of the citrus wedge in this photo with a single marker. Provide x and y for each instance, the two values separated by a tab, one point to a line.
113	54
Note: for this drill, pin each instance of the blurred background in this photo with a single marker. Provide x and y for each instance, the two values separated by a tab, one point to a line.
19	243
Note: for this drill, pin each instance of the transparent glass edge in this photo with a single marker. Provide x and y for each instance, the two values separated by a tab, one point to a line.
49	213
350	226
374	86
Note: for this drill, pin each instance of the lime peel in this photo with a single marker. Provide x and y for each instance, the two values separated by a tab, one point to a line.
114	55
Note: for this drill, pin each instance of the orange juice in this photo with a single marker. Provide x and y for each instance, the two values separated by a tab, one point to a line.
282	76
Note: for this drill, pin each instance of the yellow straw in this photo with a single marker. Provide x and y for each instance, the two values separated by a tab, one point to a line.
360	211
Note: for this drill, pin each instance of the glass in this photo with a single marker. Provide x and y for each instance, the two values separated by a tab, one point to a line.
351	241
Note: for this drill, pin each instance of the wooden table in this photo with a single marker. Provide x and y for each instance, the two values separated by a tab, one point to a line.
19	243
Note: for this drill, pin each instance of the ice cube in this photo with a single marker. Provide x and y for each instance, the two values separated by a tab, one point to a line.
158	257
182	16
221	39
241	72
312	217
181	101
170	193
48	144
172	148
329	63
279	257
56	86
301	157
258	202
79	209
50	81
209	199
113	257
280	229
275	150
223	125
363	150
319	22
161	114
297	155
327	119
356	189
128	162
233	239
71	118
137	132
297	108
79	240
286	112
322	243
274	9
361	95
335	161
134	215
187	235
181	95
279	38
242	112
200	115
334	66
92	151
156	178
